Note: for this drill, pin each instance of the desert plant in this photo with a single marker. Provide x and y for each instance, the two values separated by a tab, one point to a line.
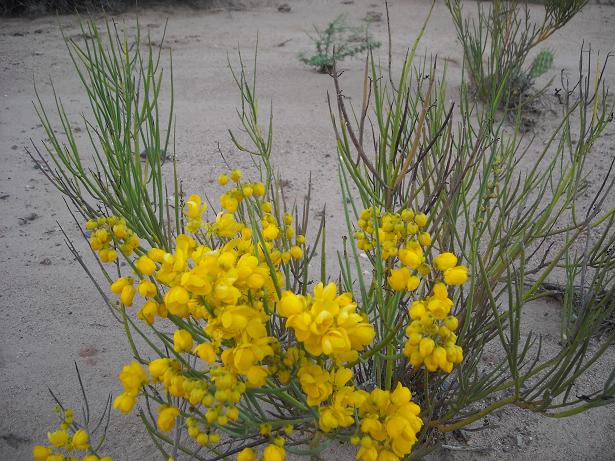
240	350
496	45
336	42
503	220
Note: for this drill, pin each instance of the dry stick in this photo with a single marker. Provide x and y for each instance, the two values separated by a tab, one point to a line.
351	133
424	152
386	6
367	91
417	138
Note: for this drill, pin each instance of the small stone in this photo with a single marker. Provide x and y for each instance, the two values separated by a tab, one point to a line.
31	217
519	441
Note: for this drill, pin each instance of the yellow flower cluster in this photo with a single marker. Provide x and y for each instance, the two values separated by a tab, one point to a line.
431	334
389	421
230	200
227	295
66	442
389	230
106	233
327	323
220	287
132	377
272	452
193	210
431	338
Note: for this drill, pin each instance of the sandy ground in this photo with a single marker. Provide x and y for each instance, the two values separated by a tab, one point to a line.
50	314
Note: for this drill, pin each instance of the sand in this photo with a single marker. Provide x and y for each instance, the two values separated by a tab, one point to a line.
52	317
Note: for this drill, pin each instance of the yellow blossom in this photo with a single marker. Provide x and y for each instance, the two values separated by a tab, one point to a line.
206	352
166	418
274	453
445	261
456	275
236	175
124	402
81	440
41	453
182	341
223	180
247	454
194	207
58	438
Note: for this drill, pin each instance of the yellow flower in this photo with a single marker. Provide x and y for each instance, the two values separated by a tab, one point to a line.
398	280
274	453
147	289
182	341
229	203
58	438
445	261
120	284
148	312
176	301
410	258
271	232
296	252
267	207
259	189
451	323
236	175
156	254
132	377
413	283
247	454
290	304
426	346
421	219
223	180
316	383
206	352
166	418
124	402
194	207
145	265
247	191
265	429
158	367
257	376
456	275
127	295
424	239
40	453
81	440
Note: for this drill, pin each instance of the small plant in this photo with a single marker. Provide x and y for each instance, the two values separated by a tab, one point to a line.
497	43
337	42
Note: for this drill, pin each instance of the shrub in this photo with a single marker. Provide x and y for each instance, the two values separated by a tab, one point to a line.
337	42
244	353
497	43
